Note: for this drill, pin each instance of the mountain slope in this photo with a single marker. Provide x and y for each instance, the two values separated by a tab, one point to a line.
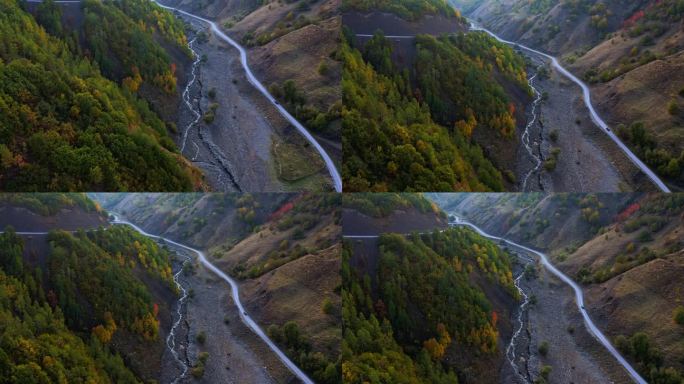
443	111
292	49
284	249
626	249
428	308
65	127
107	325
631	52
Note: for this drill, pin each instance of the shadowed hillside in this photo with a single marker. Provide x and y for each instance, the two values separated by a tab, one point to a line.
630	51
626	251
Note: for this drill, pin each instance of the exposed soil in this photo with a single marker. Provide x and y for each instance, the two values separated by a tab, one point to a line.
236	354
234	150
573	354
640	95
368	23
23	220
296	292
356	223
583	164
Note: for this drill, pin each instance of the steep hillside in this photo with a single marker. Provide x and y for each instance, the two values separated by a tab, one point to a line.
94	305
202	220
283	248
445	111
625	249
292	46
67	127
406	9
430	308
376	213
44	212
629	50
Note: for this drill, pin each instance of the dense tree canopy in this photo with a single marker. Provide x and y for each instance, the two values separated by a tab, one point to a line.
401	320
63	126
407	9
410	129
456	77
36	346
120	38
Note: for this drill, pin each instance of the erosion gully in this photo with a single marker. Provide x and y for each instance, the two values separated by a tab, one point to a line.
592	328
520	321
220	163
586	96
171	338
533	147
242	312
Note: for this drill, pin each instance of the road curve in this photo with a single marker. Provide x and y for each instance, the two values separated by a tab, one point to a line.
329	164
579	296
587	101
586	97
251	324
246	319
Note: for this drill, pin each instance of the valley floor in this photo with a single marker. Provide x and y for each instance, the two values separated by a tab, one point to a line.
588	160
236	354
237	149
573	354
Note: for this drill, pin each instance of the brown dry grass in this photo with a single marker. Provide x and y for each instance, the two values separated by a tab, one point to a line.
296	292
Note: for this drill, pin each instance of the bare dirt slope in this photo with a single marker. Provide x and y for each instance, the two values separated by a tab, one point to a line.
236	354
400	221
296	292
71	219
286	258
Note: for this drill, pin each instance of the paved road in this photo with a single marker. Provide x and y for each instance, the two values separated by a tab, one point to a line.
579	298
579	295
586	92
246	319
587	101
251	324
330	165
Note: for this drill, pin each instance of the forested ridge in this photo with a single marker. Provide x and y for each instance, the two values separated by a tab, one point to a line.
383	204
61	315
50	203
404	320
407	9
408	129
64	126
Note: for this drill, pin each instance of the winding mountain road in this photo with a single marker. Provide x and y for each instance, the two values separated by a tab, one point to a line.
246	319
579	298
329	164
579	295
586	92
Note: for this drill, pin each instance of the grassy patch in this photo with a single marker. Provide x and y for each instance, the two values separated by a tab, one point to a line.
294	162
